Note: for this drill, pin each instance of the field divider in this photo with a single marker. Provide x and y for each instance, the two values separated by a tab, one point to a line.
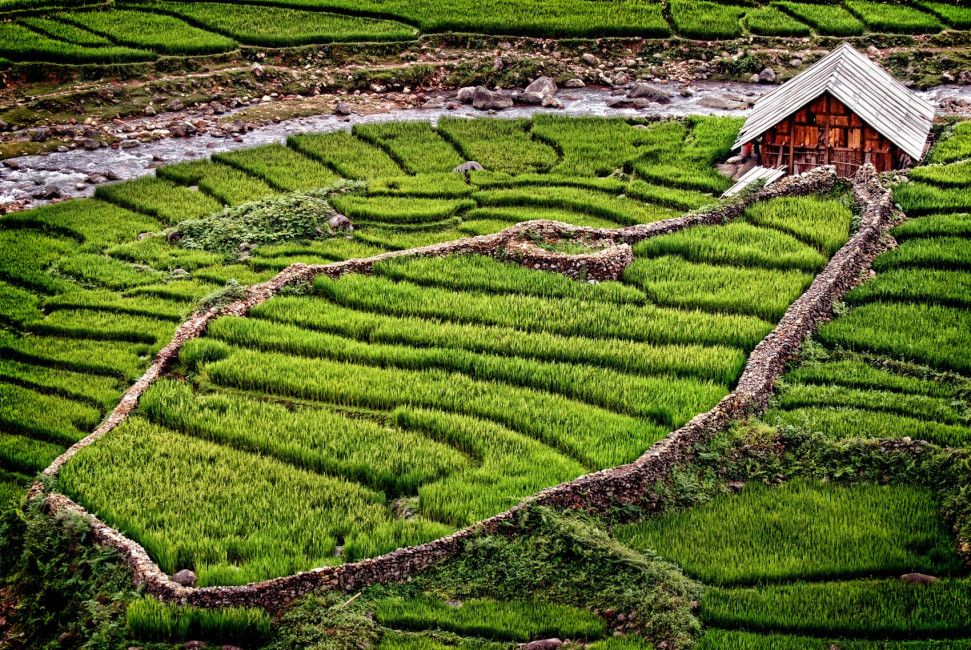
624	484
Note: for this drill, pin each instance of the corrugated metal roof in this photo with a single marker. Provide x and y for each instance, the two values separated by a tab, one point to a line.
756	173
867	89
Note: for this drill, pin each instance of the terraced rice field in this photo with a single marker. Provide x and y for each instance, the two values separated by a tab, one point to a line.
139	31
352	416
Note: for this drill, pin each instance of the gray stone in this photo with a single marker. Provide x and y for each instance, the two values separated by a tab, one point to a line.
174	105
40	135
575	83
543	86
754	79
4	126
544	644
722	103
767	76
947	78
487	100
174	237
256	69
649	92
434	102
144	235
919	578
90	144
217	108
621	78
150	111
185	577
466	94
795	63
340	222
590	59
342	108
964	77
466	167
531	98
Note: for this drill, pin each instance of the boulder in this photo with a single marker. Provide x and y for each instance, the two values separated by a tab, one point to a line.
90	144
342	108
947	78
575	83
754	79
434	102
256	69
531	98
620	79
466	94
590	59
217	108
722	103
40	135
185	577
174	105
543	86
174	237
919	578
543	644
964	77
767	76
466	167
4	126
487	100
795	63
340	222
650	93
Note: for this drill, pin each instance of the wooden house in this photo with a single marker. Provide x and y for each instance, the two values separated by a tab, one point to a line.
845	110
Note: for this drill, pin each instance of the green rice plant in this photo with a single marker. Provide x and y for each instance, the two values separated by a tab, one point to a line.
397	240
174	291
771	21
350	156
413	145
490	180
270	532
843	423
689	178
675	282
47	417
103	392
667	400
871	608
109	358
508	466
616	208
921	407
599	437
499	145
150	620
951	175
920	198
803	529
241	273
26	454
152	31
826	19
283	26
671	197
481	273
931	334
894	18
447	185
591	146
703	20
627	642
735	244
18	307
153	307
941	252
65	32
23	44
717	639
226	184
281	167
860	374
955	146
26	254
935	225
916	285
158	253
718	363
105	325
91	270
158	198
821	223
412	641
514	215
504	620
398	210
393	461
688	163
570	317
477	227
96	223
12	491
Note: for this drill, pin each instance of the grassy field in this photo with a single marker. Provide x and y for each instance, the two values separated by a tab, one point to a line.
143	30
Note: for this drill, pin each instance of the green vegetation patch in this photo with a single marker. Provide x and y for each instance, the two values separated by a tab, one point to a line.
152	31
499	145
827	19
894	18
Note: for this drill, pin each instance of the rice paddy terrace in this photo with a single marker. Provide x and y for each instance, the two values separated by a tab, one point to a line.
351	416
143	31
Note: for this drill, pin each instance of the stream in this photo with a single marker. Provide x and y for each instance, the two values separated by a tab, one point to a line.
68	171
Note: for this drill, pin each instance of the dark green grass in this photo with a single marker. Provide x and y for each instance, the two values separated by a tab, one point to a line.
952	175
936	225
917	406
159	254
46	417
894	18
27	454
621	209
414	145
18	307
25	256
22	44
859	374
717	639
826	19
159	198
94	222
110	358
91	270
591	146
706	20
918	198
395	210
351	157
281	167
100	391
802	529
771	21
164	34
935	252
226	184
499	145
956	146
819	222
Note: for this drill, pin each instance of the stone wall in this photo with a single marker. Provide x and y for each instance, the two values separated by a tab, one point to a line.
630	484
